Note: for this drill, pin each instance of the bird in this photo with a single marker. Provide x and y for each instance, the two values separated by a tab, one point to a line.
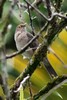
22	37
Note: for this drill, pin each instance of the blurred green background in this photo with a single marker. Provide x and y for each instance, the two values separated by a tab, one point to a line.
17	64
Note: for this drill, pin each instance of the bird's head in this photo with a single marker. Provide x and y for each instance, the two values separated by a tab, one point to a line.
21	27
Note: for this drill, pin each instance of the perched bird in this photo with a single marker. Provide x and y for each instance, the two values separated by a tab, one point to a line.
22	37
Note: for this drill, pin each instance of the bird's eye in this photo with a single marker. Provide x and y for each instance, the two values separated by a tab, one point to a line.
20	26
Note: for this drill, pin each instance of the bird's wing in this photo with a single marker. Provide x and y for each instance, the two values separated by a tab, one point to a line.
34	43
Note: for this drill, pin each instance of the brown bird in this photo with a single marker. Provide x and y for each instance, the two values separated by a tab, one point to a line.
22	37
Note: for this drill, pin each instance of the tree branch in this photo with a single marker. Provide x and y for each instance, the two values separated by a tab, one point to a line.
55	29
49	68
46	91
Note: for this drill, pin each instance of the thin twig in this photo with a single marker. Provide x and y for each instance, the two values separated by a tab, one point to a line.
22	83
59	15
36	2
37	11
31	21
48	5
29	86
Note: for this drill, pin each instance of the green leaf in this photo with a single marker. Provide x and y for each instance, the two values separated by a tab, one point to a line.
21	94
